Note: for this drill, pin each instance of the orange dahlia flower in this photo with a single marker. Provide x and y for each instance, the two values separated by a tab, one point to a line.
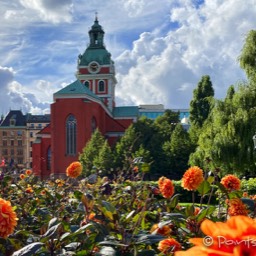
28	172
192	178
29	190
22	176
166	187
169	245
165	230
8	218
237	207
74	170
231	182
235	237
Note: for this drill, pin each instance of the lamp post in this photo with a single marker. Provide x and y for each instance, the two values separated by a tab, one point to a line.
254	140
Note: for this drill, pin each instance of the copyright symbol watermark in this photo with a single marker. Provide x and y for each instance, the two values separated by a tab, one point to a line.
207	240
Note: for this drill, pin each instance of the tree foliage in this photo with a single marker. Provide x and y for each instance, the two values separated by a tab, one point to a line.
247	58
226	137
91	151
200	106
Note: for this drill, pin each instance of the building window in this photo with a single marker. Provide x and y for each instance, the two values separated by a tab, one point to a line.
20	143
12	142
32	126
20	160
12	152
5	151
12	122
4	133
19	133
31	134
5	143
19	152
86	83
49	158
101	86
31	154
71	135
31	144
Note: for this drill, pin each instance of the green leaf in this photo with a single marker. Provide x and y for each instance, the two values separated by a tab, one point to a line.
147	253
107	251
205	212
210	179
204	188
174	201
78	195
235	194
189	211
114	243
149	239
53	231
108	210
130	215
73	246
29	249
52	222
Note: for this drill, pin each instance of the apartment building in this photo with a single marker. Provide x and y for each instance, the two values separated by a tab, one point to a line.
17	134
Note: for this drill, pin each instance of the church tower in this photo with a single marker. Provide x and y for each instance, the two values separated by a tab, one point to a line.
96	69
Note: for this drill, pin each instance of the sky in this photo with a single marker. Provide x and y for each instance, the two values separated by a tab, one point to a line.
161	48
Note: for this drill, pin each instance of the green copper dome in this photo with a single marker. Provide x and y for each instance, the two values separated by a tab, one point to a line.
96	50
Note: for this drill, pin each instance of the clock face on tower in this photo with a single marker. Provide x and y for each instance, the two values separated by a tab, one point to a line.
94	67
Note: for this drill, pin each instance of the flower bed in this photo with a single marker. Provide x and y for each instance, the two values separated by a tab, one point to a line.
76	216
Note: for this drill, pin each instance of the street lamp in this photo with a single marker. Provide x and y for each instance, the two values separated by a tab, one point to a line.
254	140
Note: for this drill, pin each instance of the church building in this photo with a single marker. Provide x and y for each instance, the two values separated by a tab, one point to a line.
81	107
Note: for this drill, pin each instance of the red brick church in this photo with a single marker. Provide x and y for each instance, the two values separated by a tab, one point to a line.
81	107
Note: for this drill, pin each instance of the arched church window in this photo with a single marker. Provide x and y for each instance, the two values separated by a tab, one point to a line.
94	124
101	86
71	127
49	156
86	83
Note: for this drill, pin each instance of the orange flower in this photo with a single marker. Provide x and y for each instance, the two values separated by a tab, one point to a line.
169	245
59	182
192	178
231	182
235	237
28	172
165	230
245	194
197	210
237	207
166	187
43	192
74	170
29	190
135	168
8	218
22	176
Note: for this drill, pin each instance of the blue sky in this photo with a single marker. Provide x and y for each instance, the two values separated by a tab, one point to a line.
161	48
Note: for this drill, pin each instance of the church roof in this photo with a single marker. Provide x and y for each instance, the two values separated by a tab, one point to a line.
126	111
76	88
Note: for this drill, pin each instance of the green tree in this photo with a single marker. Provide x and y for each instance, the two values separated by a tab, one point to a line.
91	151
200	106
166	123
177	151
104	160
247	58
226	137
